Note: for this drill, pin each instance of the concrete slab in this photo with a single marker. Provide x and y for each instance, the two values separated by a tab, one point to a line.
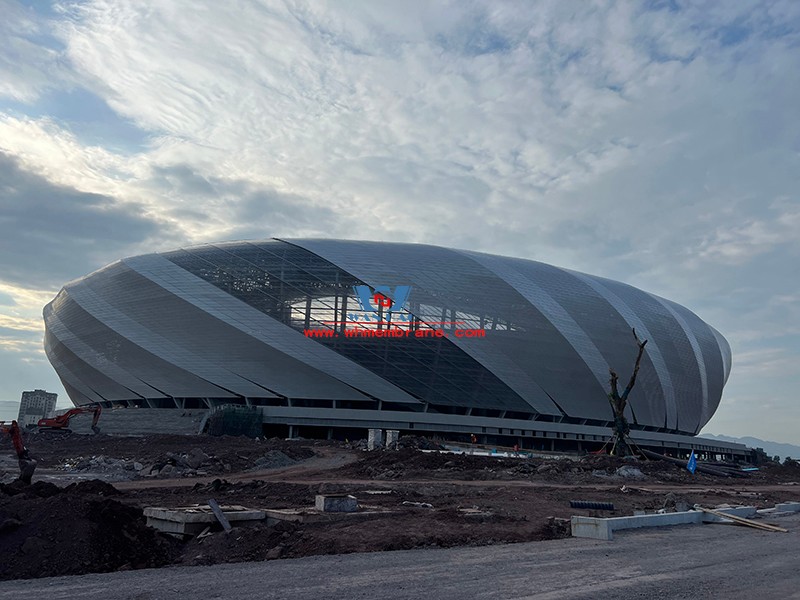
192	520
312	515
202	513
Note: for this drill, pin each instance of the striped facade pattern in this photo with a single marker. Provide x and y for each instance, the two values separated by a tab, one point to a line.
231	322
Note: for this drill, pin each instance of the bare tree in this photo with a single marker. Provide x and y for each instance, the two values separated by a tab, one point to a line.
621	429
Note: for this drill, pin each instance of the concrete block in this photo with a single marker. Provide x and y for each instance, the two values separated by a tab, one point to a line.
603	529
336	503
788	506
392	437
374	439
590	527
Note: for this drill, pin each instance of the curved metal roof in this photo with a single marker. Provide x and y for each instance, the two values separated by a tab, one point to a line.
229	320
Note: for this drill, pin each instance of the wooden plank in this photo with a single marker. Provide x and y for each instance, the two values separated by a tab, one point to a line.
743	521
223	520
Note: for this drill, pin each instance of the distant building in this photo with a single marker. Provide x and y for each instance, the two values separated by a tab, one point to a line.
36	405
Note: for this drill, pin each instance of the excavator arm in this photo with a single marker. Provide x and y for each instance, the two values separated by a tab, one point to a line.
12	429
61	422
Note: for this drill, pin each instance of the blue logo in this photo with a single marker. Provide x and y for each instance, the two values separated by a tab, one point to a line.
391	303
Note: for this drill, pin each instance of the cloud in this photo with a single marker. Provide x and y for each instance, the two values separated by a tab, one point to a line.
53	233
31	60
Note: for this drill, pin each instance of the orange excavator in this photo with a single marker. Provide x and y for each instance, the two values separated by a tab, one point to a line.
61	422
27	464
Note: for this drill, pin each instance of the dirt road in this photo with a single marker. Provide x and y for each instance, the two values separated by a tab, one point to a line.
694	561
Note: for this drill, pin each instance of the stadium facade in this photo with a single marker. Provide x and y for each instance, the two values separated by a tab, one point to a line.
331	337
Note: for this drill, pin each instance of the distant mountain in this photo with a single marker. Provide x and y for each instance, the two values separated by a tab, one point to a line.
771	448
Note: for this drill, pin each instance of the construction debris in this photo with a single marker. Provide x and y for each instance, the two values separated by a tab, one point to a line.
718	471
422	495
223	520
336	503
591	505
741	520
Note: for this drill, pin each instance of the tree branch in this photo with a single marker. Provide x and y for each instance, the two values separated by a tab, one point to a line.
631	383
613	382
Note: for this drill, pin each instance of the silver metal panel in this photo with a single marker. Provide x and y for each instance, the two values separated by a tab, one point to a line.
697	353
53	350
245	318
161	346
269	275
159	373
525	284
260	371
653	351
445	282
96	358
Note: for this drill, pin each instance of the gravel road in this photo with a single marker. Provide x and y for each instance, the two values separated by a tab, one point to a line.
695	561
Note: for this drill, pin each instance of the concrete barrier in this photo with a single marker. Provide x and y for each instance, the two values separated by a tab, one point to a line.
603	529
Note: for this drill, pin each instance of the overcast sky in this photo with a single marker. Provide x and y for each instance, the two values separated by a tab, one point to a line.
657	143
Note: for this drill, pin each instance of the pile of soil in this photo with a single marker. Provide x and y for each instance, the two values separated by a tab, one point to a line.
788	471
46	531
395	464
419	442
421	528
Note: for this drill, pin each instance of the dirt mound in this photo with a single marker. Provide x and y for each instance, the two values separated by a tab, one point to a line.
394	464
40	489
93	486
244	544
46	532
789	470
418	442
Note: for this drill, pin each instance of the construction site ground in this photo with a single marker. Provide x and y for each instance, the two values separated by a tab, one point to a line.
83	514
712	562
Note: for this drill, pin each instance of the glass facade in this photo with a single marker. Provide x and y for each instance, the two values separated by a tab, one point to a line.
299	321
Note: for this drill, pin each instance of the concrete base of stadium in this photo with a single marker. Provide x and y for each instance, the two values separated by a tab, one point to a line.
353	424
528	435
141	421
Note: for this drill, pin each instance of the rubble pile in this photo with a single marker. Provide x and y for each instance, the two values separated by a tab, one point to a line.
195	462
112	469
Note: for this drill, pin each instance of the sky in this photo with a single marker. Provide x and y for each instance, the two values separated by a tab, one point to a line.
655	143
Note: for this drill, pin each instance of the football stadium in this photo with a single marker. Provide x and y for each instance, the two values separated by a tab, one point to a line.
329	338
